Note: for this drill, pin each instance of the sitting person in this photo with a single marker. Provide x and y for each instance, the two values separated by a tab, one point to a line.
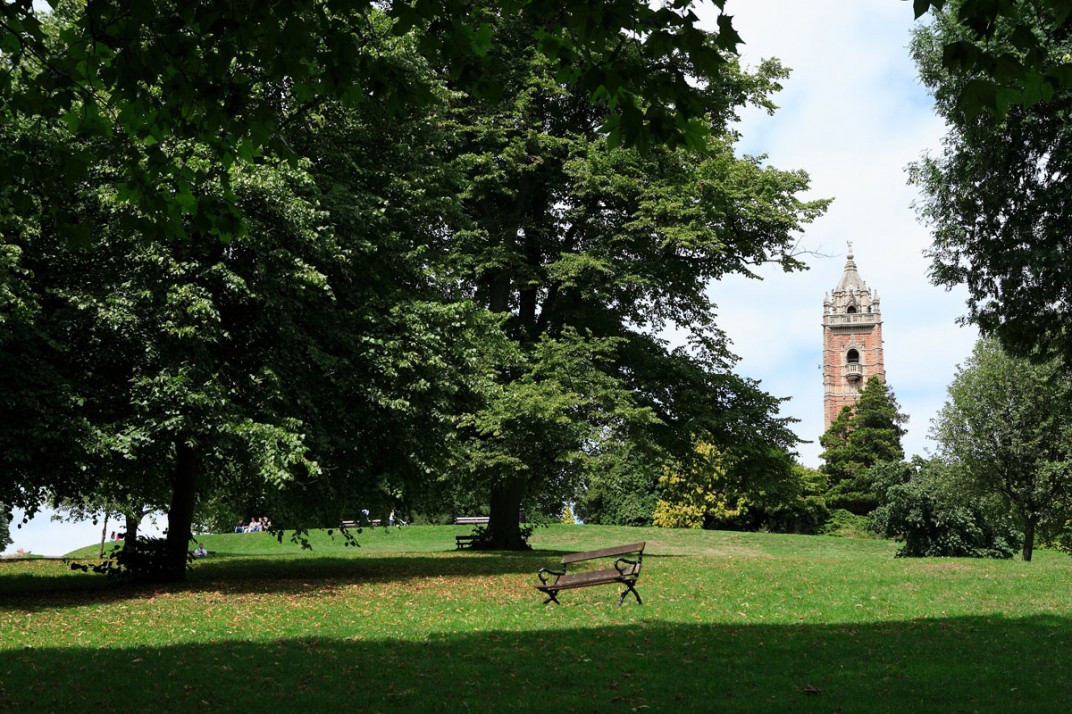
200	551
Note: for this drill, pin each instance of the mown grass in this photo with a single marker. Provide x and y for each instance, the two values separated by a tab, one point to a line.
730	622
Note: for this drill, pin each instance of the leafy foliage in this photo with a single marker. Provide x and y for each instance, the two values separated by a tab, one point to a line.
1008	425
799	506
935	517
621	491
1004	52
995	197
862	435
262	372
576	240
216	75
696	493
846	524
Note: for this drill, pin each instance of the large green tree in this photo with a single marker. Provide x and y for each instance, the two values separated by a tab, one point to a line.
220	280
299	366
996	196
598	248
1008	424
863	435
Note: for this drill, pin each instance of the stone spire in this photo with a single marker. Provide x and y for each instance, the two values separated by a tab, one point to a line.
850	278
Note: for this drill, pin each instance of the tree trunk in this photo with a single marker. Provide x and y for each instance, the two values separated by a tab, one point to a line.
103	533
1029	538
131	537
504	520
181	511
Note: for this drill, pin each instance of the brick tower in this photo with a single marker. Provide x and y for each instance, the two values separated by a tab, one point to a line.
852	341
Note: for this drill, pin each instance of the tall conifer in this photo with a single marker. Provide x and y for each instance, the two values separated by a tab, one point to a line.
862	435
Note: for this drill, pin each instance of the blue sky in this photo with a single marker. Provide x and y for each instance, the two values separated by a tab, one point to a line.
853	115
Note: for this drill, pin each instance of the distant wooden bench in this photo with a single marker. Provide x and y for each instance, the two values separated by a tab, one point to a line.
471	521
625	571
464	541
357	524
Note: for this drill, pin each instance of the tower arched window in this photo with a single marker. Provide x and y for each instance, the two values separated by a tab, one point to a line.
851	310
853	357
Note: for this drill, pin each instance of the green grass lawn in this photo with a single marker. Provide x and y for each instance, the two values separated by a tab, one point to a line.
730	622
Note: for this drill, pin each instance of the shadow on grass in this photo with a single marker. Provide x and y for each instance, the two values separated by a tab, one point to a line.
945	665
53	586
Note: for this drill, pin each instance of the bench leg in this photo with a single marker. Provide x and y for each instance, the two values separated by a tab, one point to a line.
629	589
552	596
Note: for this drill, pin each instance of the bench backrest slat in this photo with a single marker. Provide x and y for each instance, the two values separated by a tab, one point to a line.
604	553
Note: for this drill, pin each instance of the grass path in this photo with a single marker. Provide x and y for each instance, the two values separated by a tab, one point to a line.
730	622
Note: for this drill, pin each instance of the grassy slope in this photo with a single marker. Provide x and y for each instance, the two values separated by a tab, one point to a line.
731	622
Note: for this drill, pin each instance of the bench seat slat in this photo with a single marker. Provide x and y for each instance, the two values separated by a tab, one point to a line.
592	577
604	553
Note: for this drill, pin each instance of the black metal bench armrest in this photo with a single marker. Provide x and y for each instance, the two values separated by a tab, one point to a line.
619	561
543	572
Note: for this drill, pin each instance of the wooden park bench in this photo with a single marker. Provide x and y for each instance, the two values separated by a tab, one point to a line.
471	521
357	524
464	541
625	571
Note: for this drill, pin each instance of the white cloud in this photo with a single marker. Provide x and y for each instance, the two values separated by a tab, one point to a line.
853	116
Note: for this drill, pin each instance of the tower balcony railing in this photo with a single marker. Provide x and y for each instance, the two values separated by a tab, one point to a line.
854	372
862	318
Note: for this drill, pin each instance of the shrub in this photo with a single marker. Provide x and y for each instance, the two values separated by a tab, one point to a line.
934	521
846	524
806	514
623	493
693	494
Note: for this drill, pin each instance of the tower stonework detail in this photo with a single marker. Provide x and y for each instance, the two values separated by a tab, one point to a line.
852	341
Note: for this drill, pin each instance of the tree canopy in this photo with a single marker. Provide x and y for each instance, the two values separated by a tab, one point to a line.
279	294
588	250
1003	51
161	369
996	196
923	504
1007	423
230	78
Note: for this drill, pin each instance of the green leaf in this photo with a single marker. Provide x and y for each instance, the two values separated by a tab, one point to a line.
960	56
1036	89
978	95
1061	9
1062	75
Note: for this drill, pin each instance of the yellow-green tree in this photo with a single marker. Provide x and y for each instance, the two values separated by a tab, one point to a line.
695	492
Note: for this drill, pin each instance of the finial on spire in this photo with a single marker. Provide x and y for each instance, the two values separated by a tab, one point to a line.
850	249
